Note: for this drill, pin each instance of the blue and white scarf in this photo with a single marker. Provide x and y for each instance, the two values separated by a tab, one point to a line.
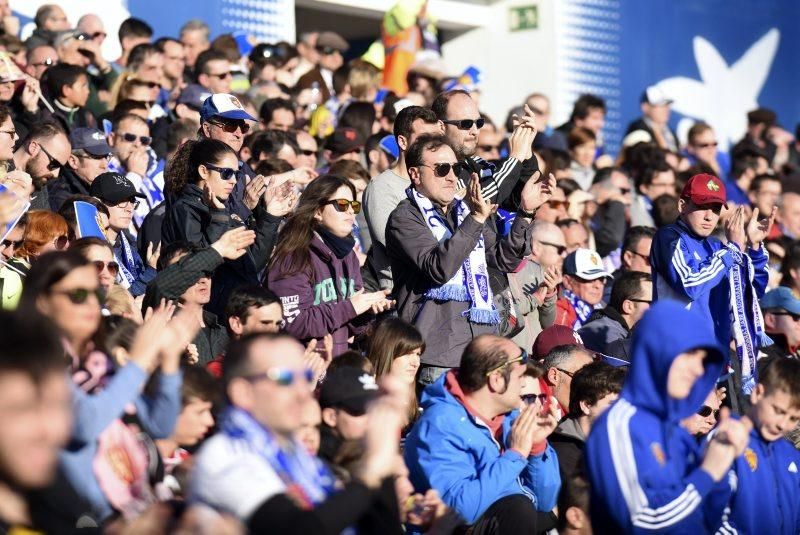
471	282
127	264
307	479
582	308
748	338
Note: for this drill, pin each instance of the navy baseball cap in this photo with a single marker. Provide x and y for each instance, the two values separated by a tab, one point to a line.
113	188
224	105
90	140
781	298
194	95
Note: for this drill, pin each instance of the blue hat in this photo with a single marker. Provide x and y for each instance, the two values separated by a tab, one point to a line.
388	144
225	106
90	140
781	298
194	95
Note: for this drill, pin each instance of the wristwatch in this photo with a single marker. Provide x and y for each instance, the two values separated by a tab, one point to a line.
523	213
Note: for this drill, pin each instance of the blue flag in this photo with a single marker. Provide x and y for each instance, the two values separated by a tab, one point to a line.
23	207
88	221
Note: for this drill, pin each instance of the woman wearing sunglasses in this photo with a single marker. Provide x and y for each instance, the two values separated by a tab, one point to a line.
46	231
101	255
315	271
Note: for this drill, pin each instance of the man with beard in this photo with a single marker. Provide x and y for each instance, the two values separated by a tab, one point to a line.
42	155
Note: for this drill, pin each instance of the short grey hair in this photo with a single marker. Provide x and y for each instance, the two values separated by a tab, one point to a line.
560	355
196	25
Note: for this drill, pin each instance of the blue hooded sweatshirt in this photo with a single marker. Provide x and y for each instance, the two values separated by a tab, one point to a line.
453	451
643	466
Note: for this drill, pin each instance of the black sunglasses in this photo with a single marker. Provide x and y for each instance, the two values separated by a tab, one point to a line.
706	411
15	244
341	205
79	296
560	249
530	399
795	317
130	138
52	164
487	148
230	127
308	152
441	170
327	50
522	359
466	124
225	172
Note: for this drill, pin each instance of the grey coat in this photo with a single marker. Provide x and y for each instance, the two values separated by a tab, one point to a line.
535	316
419	263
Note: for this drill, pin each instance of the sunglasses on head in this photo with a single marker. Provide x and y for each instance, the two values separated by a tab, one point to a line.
522	359
52	164
530	399
706	411
282	376
441	170
113	267
79	296
130	138
341	205
230	127
466	124
225	172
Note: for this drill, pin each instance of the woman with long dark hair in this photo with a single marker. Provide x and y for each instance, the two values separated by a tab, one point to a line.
315	271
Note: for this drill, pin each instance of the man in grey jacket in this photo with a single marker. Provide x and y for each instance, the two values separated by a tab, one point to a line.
440	247
630	298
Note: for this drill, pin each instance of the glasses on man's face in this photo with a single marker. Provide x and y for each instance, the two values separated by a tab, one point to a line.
648	301
705	411
220	75
530	399
226	173
327	50
282	376
466	124
87	156
112	267
229	127
560	249
565	372
52	164
61	243
78	296
441	170
557	205
308	152
795	317
707	145
644	257
126	204
131	138
341	205
488	148
522	359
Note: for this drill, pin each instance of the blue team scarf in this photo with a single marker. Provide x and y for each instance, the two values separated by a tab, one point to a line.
582	308
127	264
748	326
471	282
307	479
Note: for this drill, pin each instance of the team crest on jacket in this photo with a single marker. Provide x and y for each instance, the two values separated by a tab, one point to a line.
712	186
751	458
658	453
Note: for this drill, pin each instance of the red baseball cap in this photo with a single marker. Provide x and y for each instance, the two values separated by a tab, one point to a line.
704	189
554	336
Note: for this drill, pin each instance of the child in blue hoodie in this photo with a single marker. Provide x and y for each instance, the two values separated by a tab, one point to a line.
767	497
647	474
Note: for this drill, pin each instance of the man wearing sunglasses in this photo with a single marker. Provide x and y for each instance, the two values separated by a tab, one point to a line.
491	463
781	322
441	248
585	278
89	158
330	47
39	58
137	161
213	71
42	155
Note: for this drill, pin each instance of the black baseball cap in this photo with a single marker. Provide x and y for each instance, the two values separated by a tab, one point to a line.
113	188
343	140
348	388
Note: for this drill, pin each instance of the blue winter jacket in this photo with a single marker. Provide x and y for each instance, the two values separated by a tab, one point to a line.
694	271
454	452
643	467
767	497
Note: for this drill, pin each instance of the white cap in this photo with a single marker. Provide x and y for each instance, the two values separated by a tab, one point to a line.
655	96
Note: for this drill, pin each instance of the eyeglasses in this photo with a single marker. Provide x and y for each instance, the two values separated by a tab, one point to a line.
706	145
113	267
231	126
555	205
225	172
78	296
61	242
342	205
466	124
308	152
565	372
648	301
125	204
644	257
522	359
15	244
87	156
706	411
131	138
795	317
488	148
560	249
221	75
52	164
624	191
327	50
282	376
530	399
441	170
47	62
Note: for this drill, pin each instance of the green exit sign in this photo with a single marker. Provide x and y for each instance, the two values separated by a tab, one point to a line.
523	18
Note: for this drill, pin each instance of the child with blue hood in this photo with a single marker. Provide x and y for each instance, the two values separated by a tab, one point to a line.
647	474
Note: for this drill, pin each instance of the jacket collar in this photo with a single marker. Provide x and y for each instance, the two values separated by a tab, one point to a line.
494	424
610	313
